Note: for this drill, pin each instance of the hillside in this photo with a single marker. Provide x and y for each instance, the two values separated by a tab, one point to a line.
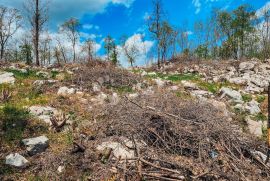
185	121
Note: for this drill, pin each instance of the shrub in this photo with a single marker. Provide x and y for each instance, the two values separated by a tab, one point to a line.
14	121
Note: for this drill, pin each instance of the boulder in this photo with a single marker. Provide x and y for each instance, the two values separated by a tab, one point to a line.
221	106
16	160
232	94
244	66
36	145
65	91
43	113
259	81
7	78
189	85
255	127
253	107
237	80
251	88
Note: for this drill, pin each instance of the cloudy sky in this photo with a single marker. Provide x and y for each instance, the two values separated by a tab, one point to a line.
127	17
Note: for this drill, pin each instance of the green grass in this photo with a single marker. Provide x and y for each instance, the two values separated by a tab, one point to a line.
247	97
54	74
175	77
23	75
14	121
260	117
211	87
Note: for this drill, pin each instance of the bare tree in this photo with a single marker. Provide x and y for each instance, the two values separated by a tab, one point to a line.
45	49
71	29
62	50
265	31
131	50
154	25
166	39
89	48
9	24
37	16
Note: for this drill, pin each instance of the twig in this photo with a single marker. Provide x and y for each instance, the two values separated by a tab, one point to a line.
163	178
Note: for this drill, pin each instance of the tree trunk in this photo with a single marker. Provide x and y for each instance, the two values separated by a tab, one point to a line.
2	53
36	41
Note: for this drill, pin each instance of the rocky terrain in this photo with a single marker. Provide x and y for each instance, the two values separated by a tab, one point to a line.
187	121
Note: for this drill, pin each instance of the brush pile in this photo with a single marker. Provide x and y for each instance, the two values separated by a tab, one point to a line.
174	139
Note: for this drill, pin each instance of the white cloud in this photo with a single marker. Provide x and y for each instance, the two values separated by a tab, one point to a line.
143	46
260	12
197	5
61	10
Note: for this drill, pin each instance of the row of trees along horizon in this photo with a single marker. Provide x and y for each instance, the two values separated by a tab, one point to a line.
235	34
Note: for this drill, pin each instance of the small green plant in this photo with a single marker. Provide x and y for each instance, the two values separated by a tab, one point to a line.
54	74
247	97
23	75
260	117
260	98
211	87
14	121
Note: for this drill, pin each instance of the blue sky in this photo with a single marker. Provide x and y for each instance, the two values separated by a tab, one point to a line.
126	17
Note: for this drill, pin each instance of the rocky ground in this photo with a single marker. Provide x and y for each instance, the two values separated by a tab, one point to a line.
187	121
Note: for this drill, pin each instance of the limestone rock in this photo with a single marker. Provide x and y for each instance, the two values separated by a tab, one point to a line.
7	78
43	113
244	66
65	91
16	160
36	145
253	107
233	94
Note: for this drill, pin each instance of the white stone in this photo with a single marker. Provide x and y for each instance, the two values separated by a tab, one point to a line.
160	83
233	94
96	87
43	113
7	78
255	127
244	66
253	107
16	160
221	106
200	93
174	88
189	85
65	91
114	99
60	169
120	149
237	80
133	96
36	145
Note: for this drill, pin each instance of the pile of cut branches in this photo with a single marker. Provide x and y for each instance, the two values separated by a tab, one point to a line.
183	141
